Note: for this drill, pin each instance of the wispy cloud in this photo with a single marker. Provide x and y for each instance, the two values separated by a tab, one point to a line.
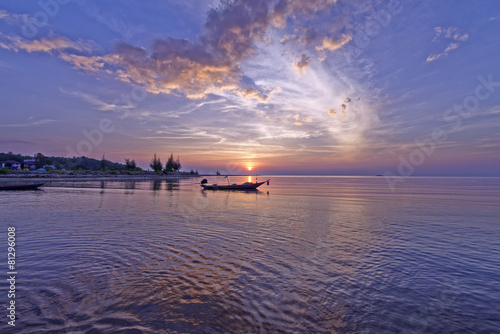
14	19
114	23
453	37
99	105
31	123
191	107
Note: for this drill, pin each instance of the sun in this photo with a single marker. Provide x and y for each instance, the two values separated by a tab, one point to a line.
249	168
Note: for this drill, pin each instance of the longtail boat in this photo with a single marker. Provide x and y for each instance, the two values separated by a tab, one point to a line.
32	186
244	186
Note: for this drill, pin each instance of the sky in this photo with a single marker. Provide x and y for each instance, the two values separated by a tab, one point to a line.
397	88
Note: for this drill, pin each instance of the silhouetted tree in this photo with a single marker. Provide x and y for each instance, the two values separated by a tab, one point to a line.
170	165
173	165
130	164
156	164
103	163
40	160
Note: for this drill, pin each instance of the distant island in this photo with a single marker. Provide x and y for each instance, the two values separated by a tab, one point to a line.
40	165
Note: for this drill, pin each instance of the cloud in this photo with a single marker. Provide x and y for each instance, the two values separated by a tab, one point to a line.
285	8
45	44
302	63
52	44
435	57
29	124
113	23
91	64
213	63
99	105
451	47
332	44
14	19
59	45
239	58
447	34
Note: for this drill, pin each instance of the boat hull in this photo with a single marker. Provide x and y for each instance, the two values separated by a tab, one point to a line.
21	186
251	186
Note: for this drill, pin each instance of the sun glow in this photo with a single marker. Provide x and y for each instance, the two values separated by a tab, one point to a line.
250	168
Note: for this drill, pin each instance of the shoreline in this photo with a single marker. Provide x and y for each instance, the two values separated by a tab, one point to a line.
91	176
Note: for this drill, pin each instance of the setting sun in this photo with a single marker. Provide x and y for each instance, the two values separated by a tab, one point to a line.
249	168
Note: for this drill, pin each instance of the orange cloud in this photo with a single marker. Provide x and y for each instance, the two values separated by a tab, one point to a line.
332	44
91	64
211	64
53	43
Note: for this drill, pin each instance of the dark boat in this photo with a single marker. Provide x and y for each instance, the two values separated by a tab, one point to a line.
244	186
21	186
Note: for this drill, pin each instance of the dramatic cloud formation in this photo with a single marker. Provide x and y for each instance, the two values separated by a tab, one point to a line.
277	81
211	64
447	34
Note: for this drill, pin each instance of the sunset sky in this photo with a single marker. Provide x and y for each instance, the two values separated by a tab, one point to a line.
291	87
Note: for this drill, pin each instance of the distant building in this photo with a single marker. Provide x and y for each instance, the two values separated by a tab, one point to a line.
12	164
30	164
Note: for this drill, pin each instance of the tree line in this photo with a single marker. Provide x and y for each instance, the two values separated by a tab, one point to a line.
90	164
171	166
74	163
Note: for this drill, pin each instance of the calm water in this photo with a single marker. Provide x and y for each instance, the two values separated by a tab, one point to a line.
310	255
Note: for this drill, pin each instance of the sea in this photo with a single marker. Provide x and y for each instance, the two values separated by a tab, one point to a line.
304	254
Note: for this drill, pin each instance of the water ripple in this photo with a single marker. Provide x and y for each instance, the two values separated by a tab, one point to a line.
343	256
